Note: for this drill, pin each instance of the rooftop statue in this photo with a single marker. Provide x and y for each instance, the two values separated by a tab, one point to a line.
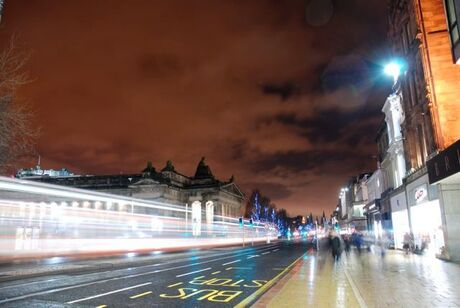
149	169
203	171
169	166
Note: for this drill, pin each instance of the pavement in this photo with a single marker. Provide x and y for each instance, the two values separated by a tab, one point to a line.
207	278
281	274
367	280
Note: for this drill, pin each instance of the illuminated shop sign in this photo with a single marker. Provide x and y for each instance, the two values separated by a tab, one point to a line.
420	194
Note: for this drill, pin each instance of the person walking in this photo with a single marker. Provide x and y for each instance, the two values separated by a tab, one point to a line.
347	242
406	243
335	242
359	242
382	244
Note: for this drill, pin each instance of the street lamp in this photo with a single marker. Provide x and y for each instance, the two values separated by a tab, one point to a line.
393	69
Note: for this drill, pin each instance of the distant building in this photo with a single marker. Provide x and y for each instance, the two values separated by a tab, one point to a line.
353	199
386	210
39	172
200	192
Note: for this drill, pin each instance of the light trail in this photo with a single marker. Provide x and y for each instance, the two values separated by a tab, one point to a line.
194	272
42	220
108	293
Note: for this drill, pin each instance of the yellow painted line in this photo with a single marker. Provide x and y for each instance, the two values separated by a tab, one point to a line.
140	295
215	273
251	298
175	285
101	306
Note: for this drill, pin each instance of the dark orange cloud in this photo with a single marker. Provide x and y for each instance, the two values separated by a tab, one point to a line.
285	95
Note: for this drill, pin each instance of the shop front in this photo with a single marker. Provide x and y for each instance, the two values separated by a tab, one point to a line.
372	212
444	172
425	215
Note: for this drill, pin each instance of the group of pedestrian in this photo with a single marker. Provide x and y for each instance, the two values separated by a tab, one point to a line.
339	243
408	242
410	245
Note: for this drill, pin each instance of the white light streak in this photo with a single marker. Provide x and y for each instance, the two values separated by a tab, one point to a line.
186	274
44	220
107	293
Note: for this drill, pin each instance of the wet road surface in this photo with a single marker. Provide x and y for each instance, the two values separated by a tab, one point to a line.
219	277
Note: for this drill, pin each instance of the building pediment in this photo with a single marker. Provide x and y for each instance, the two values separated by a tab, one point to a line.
233	189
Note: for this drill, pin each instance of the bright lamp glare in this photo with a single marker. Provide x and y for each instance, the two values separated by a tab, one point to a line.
393	69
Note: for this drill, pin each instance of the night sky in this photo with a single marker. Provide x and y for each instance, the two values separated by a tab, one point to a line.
285	95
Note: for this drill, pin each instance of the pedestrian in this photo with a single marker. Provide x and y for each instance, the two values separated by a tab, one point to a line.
335	242
381	241
406	243
412	242
347	242
359	242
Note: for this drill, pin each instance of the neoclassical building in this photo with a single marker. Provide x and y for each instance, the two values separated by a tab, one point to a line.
201	192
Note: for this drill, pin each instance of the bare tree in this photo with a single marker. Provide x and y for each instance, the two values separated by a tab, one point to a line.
16	134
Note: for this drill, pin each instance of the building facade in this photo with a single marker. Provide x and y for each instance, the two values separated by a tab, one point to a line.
353	198
372	210
394	192
444	168
425	34
381	183
200	193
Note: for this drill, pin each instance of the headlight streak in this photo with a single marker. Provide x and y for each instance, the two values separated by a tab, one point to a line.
40	220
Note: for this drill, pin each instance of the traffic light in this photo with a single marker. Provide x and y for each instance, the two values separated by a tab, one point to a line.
241	221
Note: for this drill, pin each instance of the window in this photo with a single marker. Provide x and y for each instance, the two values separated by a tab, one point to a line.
453	13
406	37
411	95
422	145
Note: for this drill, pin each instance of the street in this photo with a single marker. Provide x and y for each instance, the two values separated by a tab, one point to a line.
223	276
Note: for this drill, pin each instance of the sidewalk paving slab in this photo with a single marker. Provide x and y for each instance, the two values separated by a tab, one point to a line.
367	280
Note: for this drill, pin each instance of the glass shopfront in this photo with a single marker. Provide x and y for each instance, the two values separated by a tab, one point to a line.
400	227
427	226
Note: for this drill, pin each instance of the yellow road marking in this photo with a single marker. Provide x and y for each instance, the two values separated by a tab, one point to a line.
174	285
101	306
248	300
215	273
139	295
